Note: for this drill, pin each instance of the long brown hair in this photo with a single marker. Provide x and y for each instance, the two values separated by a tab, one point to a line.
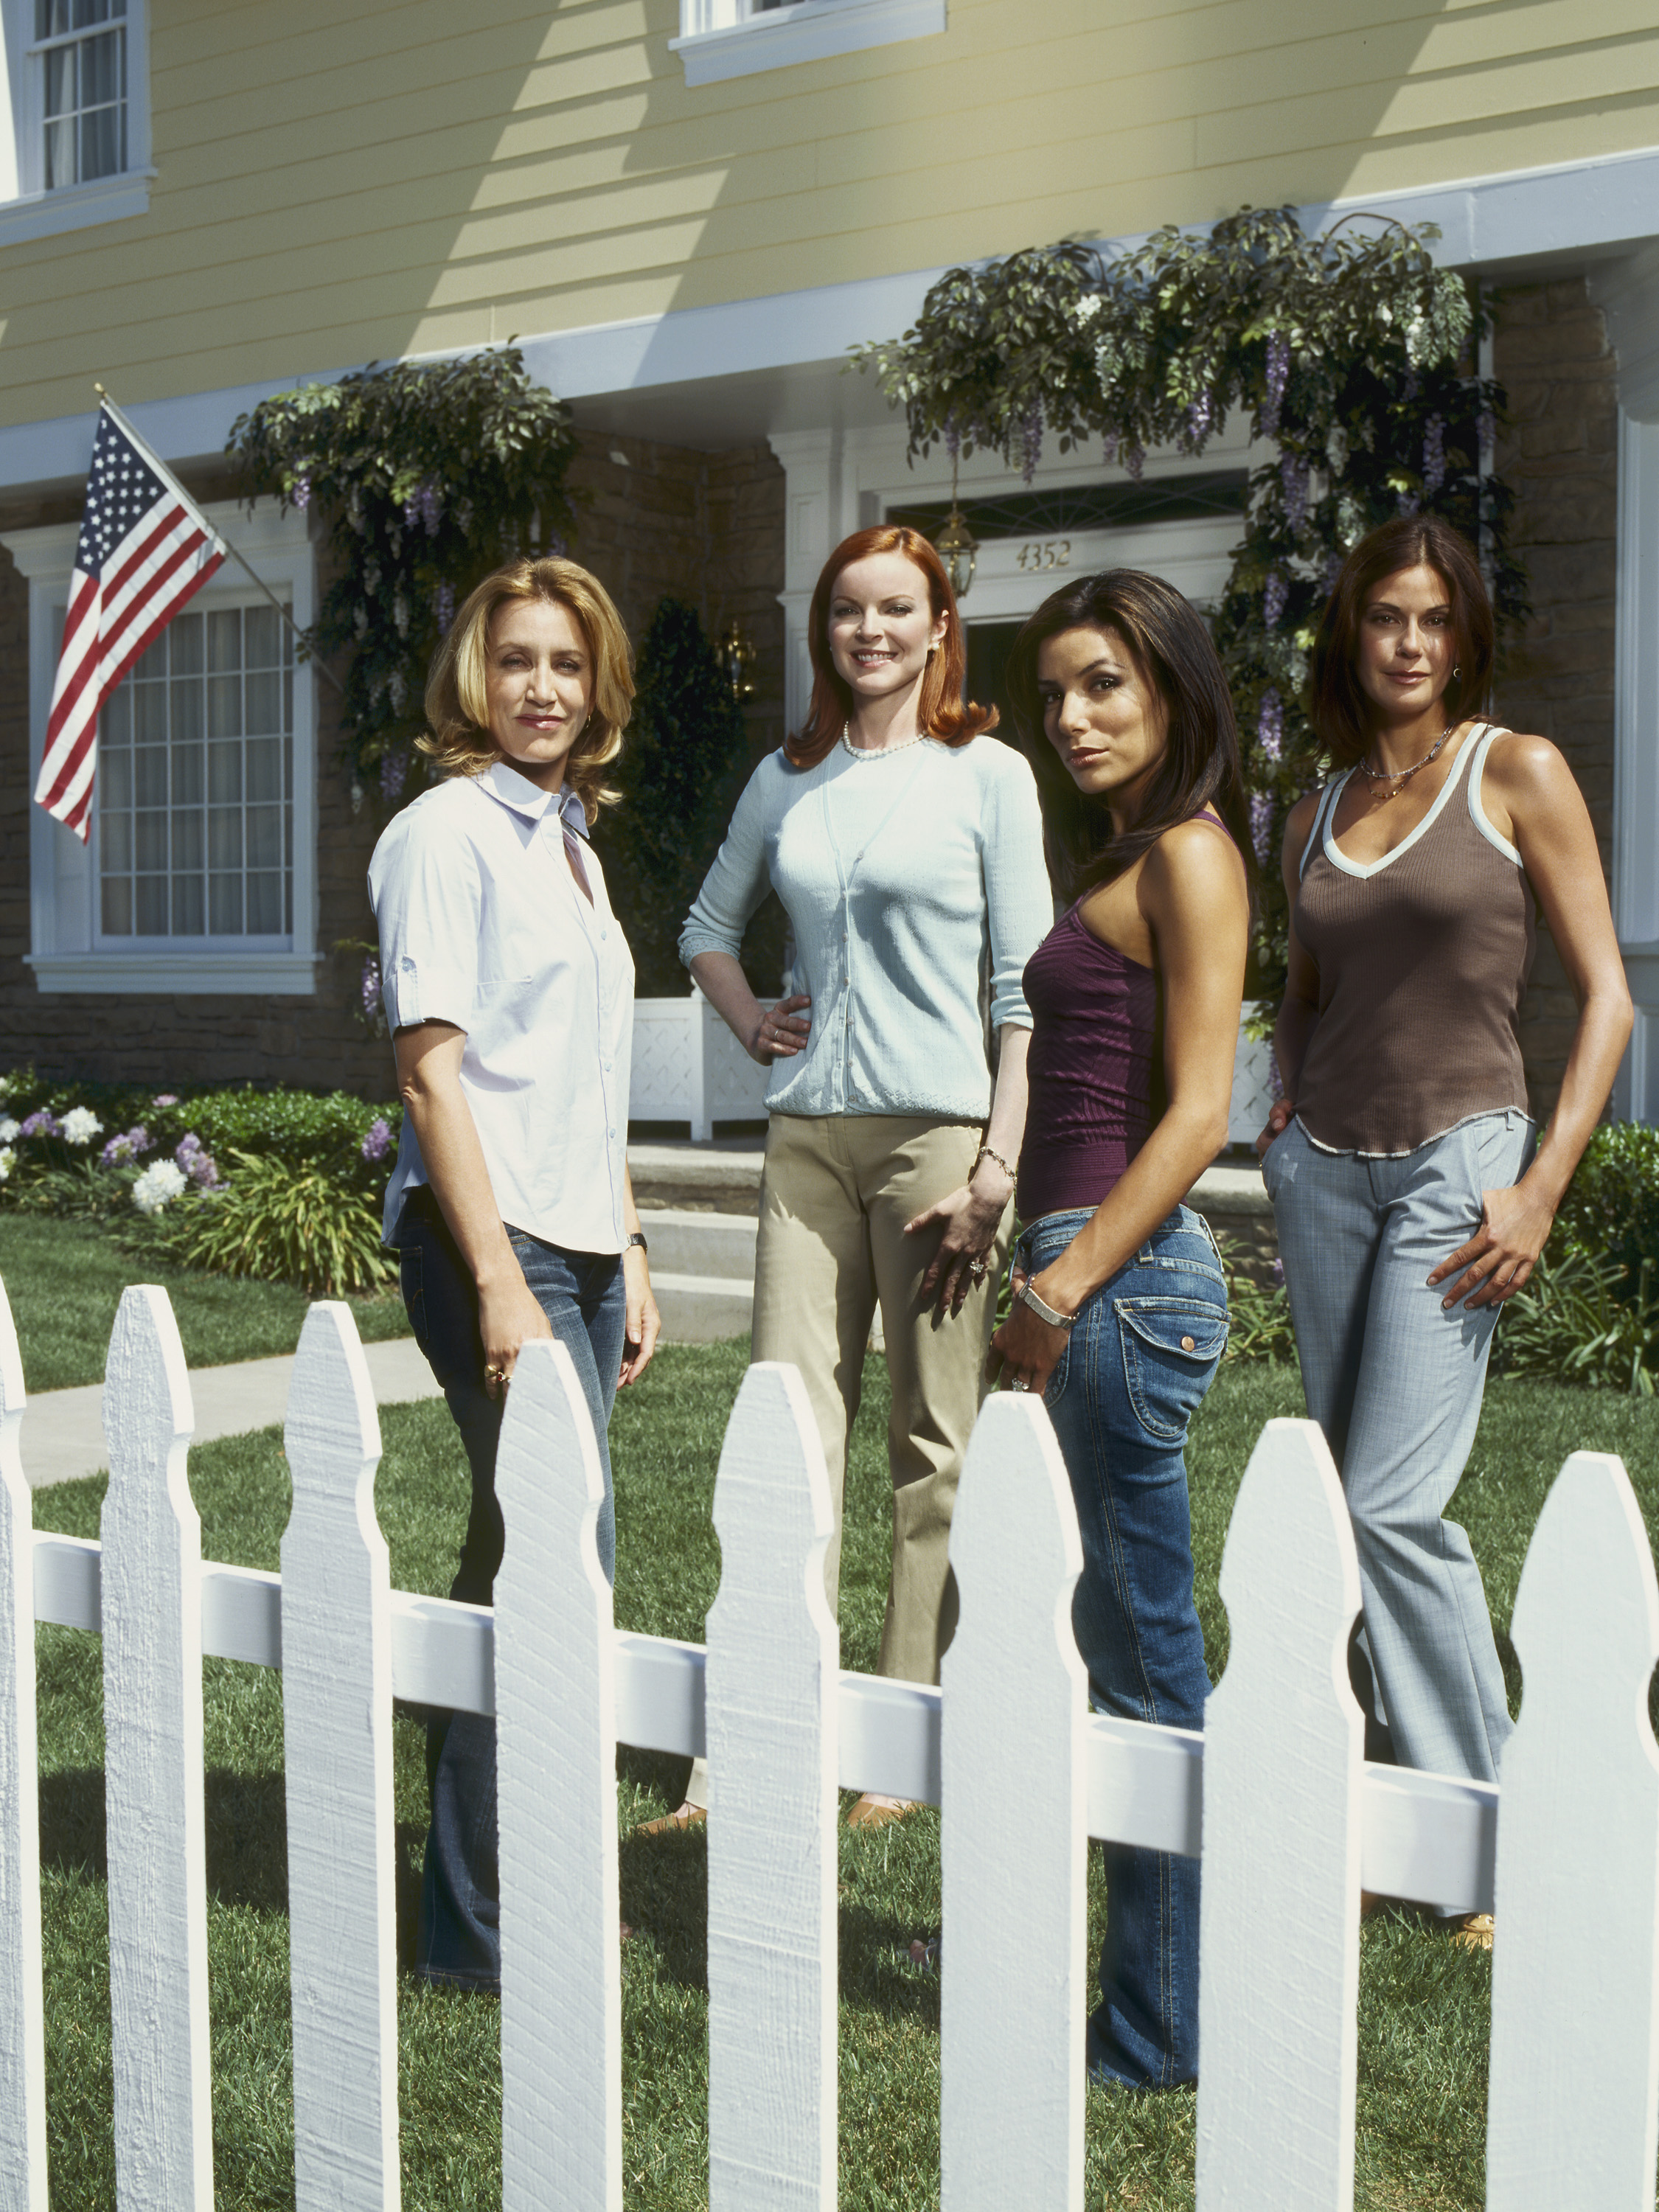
1166	640
457	690
941	711
1337	708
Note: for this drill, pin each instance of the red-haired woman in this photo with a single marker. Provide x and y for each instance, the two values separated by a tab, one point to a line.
1411	1199
909	860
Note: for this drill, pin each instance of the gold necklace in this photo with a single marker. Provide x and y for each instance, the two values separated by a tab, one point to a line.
1401	777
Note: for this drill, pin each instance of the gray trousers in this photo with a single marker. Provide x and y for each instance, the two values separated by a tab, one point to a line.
1397	1383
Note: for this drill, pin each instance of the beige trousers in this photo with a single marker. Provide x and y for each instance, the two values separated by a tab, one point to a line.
836	1193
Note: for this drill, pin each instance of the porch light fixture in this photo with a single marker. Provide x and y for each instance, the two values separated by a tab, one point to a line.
736	651
957	545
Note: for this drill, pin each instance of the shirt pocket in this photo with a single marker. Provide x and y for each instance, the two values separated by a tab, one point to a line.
1171	1348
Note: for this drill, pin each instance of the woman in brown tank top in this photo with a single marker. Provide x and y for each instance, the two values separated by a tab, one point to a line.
1409	1197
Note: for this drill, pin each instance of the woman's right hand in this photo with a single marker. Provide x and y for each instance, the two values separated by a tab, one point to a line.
780	1032
508	1316
1279	1118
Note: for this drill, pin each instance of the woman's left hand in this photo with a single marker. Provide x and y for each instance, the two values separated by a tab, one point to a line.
1026	1350
644	1323
1499	1259
971	1217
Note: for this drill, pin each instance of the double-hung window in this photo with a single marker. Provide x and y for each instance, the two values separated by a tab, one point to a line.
77	152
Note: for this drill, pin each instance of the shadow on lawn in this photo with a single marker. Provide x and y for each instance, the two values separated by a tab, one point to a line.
246	1833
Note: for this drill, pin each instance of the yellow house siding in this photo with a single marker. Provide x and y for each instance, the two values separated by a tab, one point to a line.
346	179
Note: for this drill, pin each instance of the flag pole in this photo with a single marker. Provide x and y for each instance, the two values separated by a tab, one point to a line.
304	643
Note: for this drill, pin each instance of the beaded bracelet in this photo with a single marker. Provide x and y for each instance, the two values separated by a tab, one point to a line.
986	1153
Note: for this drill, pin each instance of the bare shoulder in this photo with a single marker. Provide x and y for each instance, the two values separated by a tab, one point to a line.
1299	822
1519	766
1193	862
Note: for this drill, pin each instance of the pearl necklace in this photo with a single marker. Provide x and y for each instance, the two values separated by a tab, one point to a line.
877	752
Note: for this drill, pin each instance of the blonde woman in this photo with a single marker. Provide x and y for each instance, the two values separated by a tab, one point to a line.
508	989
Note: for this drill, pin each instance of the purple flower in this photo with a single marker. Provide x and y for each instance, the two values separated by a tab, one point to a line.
1270	724
394	767
40	1123
953	439
369	988
1407	503
300	493
165	1098
1279	370
1134	459
1274	593
1261	824
443	607
1333	570
1293	477
378	1142
127	1147
1277	1271
1031	438
196	1163
1198	421
1108	447
425	506
1434	454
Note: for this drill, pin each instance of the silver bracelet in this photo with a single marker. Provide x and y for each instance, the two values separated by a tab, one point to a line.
1043	1311
986	1153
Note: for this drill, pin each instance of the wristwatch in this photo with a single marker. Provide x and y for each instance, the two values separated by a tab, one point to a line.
1042	1308
633	1239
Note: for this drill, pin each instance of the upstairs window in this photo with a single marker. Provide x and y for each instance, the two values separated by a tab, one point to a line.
738	38
80	51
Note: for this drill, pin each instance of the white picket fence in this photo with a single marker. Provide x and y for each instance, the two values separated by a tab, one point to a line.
1289	1820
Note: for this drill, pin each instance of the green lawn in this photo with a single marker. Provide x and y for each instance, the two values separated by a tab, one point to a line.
1423	2003
65	1280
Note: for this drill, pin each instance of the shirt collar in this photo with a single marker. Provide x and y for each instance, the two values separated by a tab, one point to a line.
528	798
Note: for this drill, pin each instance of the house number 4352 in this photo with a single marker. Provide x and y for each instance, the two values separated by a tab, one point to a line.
1047	553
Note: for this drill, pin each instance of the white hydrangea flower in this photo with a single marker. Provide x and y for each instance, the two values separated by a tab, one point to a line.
158	1186
8	1128
6	1157
81	1125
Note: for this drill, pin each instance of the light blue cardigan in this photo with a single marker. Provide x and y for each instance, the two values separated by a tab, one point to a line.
905	875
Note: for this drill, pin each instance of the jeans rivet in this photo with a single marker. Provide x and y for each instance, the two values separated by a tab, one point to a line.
1190	1344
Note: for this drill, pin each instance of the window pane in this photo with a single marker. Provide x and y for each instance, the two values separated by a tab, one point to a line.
265	768
187	906
115	721
225	772
150	775
115	843
186	700
265	703
264	836
152	666
118	907
187	842
101	135
150	838
60	81
150	897
101	74
184	636
224	706
149	710
60	154
224	639
265	905
225	906
114	781
264	638
225	837
187	771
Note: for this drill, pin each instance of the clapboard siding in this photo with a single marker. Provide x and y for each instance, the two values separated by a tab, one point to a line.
346	180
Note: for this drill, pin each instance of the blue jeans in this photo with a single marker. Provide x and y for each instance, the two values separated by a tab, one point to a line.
1395	1382
582	1295
1142	1353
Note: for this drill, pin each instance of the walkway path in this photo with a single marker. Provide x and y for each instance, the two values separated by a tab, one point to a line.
63	1430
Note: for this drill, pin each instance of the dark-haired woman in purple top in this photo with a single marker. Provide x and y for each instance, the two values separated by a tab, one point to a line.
1120	1315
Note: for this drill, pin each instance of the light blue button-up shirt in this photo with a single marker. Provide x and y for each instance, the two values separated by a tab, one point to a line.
910	877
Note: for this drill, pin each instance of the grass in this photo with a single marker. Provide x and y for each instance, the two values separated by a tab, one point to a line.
65	1280
1424	2004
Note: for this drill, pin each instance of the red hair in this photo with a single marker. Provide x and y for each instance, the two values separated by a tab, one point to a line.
941	711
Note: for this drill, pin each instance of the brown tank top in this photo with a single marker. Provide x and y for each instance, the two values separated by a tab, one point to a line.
1422	958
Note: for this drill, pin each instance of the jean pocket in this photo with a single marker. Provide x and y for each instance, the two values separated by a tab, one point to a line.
412	1283
1171	1348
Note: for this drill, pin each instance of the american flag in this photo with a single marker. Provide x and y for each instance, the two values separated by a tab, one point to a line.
145	551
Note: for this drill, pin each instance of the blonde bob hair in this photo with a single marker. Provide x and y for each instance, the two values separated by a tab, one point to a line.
457	691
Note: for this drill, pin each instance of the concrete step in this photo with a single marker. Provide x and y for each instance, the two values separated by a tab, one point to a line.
684	1241
722	1177
702	1308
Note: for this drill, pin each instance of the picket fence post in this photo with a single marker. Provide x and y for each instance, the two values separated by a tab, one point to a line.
22	2043
152	1626
336	1733
1015	1916
556	1794
772	1691
1283	1739
1572	2115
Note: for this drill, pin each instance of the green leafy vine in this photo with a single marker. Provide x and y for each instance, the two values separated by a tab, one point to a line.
1350	352
429	475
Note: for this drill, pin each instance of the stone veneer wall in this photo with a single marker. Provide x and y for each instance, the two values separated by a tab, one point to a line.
1559	450
708	527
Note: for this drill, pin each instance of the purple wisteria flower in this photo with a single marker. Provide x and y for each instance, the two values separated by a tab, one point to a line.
953	439
1277	1271
1135	460
40	1123
426	506
1333	570
378	1142
1275	594
1261	824
1293	476
127	1147
1032	440
1270	724
1279	370
369	988
301	494
196	1162
443	608
1198	421
394	770
1434	454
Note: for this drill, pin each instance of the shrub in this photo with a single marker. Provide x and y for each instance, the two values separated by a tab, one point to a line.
1578	1321
1612	1206
280	1224
1258	1314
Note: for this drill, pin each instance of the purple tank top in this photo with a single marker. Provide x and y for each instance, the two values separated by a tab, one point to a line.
1095	1068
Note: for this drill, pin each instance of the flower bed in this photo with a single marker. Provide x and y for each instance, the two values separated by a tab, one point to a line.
280	1184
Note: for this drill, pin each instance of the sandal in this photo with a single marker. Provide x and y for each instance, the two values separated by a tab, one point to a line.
683	1816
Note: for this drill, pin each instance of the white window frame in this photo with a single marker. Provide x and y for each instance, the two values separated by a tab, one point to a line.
721	39
68	952
28	209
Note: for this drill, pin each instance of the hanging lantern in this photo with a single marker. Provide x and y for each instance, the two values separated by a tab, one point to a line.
957	545
736	651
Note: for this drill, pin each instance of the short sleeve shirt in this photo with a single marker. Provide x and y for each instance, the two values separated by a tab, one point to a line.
482	925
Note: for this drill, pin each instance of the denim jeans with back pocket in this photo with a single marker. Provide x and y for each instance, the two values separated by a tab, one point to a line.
1141	1355
583	1297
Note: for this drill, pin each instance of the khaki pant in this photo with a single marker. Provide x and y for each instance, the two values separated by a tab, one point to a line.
836	1193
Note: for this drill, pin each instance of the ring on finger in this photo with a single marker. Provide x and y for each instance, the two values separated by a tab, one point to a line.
1017	1383
979	1269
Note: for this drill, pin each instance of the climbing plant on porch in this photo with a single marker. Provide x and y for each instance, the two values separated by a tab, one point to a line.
430	474
1350	352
